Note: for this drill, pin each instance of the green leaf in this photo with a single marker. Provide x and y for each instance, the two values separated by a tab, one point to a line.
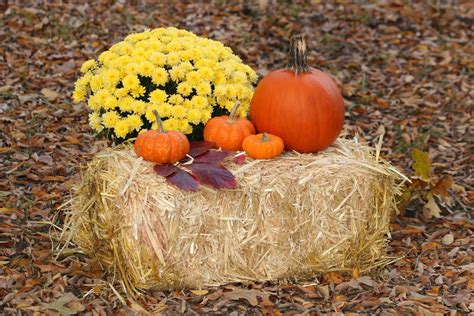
421	164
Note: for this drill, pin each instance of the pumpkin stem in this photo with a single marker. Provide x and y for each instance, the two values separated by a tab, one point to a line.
264	138
159	122
297	58
233	112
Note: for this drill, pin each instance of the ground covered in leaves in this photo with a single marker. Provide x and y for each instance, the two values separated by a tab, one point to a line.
406	72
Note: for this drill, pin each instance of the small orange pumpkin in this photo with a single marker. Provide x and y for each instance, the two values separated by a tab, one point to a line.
228	132
161	146
263	146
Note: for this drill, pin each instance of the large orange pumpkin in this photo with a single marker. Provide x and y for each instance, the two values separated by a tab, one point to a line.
302	105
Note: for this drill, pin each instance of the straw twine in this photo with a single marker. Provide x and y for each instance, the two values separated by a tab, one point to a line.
290	217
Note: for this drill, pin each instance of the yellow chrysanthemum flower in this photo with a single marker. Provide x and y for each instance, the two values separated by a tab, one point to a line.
88	65
173	59
186	66
193	77
243	109
179	111
177	74
138	106
203	89
220	77
185	55
231	91
110	102
159	76
184	89
107	58
239	77
78	95
194	116
205	116
121	92
138	92
81	84
184	127
110	78
138	53
195	53
95	121
188	104
176	99
149	115
199	102
220	90
165	109
134	122
227	104
170	124
165	39
110	118
122	128
137	37
206	73
158	96
101	95
132	68
92	103
173	46
158	59
96	83
126	104
131	82
205	62
145	68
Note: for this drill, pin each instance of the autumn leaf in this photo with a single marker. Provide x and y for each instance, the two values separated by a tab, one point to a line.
60	305
333	277
49	94
431	208
199	292
199	147
165	170
183	180
251	296
442	186
216	176
212	157
421	164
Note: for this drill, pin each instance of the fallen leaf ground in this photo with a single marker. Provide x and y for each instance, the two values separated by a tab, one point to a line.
406	70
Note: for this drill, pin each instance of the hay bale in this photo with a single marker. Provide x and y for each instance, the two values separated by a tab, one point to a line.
293	216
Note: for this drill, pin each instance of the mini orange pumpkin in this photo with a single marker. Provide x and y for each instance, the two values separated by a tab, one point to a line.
263	146
228	132
161	146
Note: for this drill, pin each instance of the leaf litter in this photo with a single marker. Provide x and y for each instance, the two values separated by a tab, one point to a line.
405	70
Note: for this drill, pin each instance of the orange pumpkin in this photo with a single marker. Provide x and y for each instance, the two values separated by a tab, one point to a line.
161	146
302	105
263	146
228	132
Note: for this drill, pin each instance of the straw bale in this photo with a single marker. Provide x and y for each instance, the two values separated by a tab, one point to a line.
290	217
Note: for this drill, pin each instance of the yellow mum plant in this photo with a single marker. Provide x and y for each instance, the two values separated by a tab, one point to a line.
186	78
